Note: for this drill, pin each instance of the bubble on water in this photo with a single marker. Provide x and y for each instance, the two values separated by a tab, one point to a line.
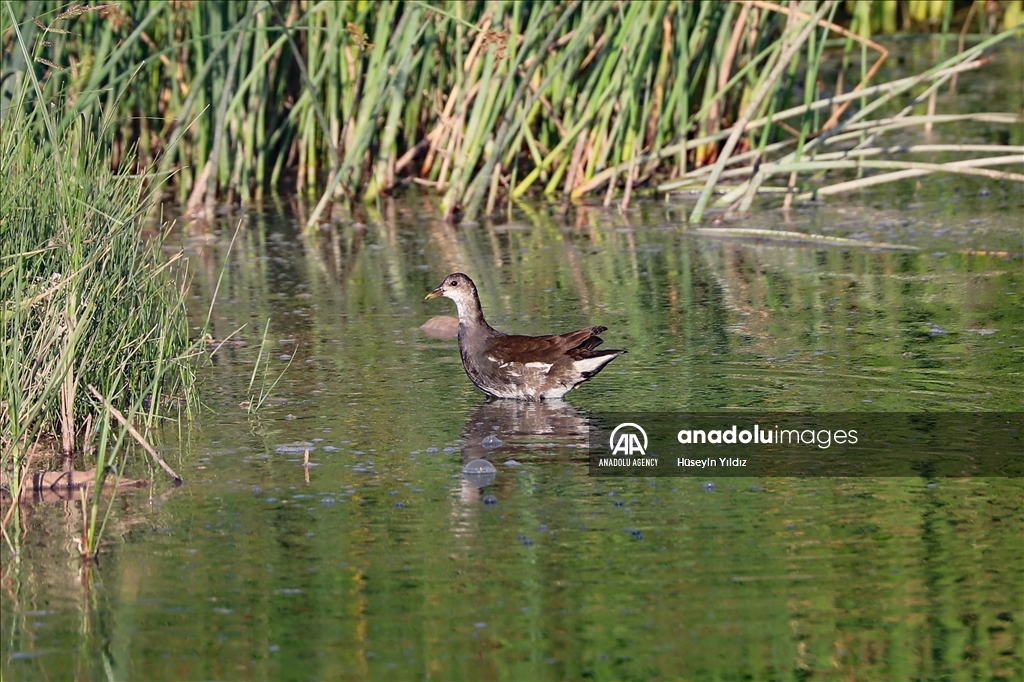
479	466
708	486
479	473
492	442
490	500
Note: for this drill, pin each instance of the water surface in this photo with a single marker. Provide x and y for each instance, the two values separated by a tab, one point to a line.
382	560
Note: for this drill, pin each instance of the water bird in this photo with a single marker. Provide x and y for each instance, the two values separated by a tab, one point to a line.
520	367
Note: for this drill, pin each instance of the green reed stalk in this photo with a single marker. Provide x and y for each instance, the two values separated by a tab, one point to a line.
730	144
83	301
350	101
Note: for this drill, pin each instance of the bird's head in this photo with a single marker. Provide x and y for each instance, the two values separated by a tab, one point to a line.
455	286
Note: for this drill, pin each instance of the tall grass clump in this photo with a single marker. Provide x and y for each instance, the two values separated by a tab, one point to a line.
483	102
93	327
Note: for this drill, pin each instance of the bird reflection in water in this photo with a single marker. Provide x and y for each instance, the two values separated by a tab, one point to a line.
508	433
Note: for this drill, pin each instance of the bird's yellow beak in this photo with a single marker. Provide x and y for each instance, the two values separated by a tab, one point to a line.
434	294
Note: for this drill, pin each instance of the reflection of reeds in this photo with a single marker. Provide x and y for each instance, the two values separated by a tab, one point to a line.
485	101
699	310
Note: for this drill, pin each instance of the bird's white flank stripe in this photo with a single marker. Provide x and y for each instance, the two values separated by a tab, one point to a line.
542	366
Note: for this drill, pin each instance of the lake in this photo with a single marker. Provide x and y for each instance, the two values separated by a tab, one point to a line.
382	560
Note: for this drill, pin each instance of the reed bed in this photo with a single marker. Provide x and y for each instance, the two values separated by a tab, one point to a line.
94	338
483	102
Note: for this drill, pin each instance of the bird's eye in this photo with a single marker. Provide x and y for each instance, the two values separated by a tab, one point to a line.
453	284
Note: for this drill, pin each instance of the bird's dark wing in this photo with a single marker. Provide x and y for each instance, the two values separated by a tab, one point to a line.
547	349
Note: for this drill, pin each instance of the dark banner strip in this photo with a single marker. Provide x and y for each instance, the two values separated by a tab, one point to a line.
930	445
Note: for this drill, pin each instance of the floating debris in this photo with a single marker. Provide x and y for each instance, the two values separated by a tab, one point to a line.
296	448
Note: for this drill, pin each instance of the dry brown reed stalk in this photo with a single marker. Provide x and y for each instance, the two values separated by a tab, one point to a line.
79	10
83	543
135	434
883	53
960	40
787	53
22	479
730	55
53	486
797	237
